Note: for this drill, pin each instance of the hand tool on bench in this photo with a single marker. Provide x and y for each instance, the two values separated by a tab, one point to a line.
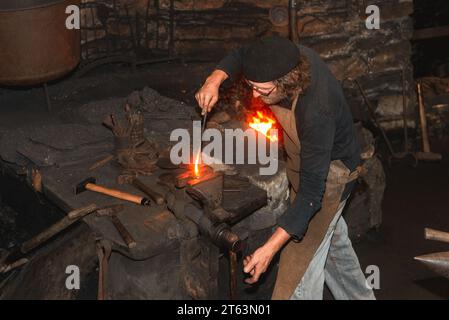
17	255
102	162
154	195
90	184
111	212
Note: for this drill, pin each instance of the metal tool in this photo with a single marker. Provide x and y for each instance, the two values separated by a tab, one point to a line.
406	154
102	162
203	125
293	21
426	154
437	262
111	212
17	255
232	275
371	113
154	195
393	155
89	184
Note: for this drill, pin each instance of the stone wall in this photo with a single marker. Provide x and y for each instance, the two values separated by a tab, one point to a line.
334	28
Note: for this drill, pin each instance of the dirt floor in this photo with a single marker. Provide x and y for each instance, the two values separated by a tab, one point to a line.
415	197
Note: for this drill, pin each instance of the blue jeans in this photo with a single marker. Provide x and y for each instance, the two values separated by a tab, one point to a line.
336	263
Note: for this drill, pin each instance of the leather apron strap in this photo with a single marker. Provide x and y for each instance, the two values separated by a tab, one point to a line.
296	256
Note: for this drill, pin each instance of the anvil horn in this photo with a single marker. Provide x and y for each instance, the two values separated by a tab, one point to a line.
437	262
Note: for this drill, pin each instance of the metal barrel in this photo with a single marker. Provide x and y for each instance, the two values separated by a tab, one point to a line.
36	46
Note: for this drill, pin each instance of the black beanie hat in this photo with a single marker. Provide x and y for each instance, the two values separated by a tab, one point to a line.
269	58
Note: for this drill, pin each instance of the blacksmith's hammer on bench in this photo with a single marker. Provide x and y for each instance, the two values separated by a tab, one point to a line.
89	184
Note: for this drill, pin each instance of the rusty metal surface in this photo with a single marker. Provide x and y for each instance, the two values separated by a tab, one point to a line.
36	45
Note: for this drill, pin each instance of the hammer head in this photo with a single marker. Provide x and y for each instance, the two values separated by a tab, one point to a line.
81	187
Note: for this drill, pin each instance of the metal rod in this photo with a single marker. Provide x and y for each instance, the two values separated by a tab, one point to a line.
371	111
233	275
293	21
171	44
404	111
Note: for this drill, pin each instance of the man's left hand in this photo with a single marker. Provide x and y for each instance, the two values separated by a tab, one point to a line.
257	263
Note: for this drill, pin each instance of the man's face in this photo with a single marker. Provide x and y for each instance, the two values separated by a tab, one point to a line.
266	91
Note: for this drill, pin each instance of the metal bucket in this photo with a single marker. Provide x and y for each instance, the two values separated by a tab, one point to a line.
35	45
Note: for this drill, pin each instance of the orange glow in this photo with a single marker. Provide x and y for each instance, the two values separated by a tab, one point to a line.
196	168
263	123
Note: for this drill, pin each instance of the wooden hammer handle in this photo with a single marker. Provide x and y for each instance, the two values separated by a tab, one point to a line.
124	233
423	120
432	234
154	195
116	193
51	231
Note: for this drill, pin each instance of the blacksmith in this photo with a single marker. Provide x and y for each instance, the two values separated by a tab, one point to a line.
323	156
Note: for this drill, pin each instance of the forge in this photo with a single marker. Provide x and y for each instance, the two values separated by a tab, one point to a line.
95	174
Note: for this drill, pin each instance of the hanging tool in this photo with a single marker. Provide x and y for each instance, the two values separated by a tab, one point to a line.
89	184
371	113
426	154
293	12
17	256
406	154
111	212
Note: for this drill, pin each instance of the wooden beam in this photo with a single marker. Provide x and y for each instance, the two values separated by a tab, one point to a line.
429	33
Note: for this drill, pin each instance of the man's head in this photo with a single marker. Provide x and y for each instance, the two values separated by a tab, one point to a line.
274	69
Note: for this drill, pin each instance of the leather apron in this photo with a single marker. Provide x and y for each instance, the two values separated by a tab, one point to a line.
296	256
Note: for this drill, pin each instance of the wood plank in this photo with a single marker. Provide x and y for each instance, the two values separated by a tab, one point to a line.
430	33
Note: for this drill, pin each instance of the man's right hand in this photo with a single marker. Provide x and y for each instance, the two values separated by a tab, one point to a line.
207	96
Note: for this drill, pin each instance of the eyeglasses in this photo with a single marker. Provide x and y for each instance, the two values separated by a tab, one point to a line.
263	92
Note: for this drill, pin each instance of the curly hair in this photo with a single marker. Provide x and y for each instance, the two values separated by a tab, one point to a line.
297	80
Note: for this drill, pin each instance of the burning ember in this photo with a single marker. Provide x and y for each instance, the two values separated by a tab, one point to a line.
261	119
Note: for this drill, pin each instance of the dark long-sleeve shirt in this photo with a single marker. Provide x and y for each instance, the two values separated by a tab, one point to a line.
325	128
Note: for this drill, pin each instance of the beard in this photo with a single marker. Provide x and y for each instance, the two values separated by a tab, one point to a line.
274	98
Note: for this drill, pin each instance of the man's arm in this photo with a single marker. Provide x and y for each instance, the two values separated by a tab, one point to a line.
228	68
317	139
232	63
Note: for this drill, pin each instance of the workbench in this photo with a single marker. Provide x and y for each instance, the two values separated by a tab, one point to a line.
64	162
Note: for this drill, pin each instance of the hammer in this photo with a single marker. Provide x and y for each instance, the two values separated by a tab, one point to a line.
111	211
90	184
